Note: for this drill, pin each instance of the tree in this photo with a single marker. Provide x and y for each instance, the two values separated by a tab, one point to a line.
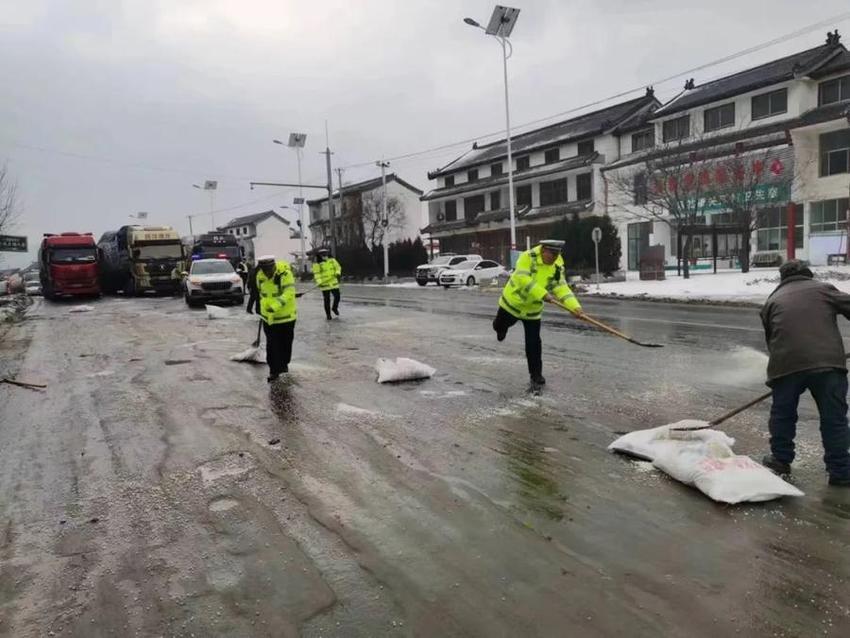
8	199
683	185
579	251
371	216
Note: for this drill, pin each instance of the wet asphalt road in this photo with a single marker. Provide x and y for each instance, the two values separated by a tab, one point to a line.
141	494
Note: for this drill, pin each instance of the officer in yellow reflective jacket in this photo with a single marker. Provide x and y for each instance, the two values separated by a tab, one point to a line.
278	308
326	274
538	277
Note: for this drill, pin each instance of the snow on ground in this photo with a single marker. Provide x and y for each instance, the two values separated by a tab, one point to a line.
729	285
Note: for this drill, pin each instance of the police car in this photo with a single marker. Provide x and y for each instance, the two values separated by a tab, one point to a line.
212	280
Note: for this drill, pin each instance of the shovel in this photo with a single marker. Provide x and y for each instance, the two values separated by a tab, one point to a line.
256	343
732	413
606	328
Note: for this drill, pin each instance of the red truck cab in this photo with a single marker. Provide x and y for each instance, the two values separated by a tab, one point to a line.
69	264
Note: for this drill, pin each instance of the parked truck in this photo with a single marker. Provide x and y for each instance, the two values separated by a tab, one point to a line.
214	246
68	264
138	259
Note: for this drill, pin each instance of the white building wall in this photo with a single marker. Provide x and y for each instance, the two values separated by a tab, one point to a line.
413	211
273	238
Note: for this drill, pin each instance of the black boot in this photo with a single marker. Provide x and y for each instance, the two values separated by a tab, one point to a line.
777	467
538	379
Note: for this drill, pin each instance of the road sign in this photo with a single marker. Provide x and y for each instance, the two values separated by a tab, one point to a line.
597	235
13	244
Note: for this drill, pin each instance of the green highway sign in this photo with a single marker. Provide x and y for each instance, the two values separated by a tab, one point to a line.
13	244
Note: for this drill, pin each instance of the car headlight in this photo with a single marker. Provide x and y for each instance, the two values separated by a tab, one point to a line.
236	279
195	281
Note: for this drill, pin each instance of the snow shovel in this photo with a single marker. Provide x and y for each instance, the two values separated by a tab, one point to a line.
732	413
610	330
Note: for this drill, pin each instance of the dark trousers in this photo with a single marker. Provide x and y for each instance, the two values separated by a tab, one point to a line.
279	345
829	390
533	345
327	296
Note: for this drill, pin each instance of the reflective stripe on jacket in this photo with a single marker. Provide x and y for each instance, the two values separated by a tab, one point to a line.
326	274
277	295
529	283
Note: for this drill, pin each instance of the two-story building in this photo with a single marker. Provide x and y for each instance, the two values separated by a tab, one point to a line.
556	174
793	112
356	216
265	233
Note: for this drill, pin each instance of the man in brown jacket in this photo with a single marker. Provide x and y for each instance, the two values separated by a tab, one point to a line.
807	353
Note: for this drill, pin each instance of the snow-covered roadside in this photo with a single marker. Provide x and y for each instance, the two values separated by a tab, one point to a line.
726	286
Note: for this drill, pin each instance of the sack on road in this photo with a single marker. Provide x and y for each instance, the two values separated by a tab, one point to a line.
217	312
402	369
647	444
81	309
716	471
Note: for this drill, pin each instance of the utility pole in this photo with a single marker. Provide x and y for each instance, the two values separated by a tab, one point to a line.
385	222
302	230
339	172
189	217
330	191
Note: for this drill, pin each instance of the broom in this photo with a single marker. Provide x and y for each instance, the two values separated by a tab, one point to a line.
252	354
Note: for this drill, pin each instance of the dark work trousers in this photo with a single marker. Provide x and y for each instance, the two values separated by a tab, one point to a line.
327	296
829	390
279	345
533	345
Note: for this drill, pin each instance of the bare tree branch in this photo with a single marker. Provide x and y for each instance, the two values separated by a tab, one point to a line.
371	216
9	210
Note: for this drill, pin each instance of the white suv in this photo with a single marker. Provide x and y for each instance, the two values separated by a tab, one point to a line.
212	280
431	272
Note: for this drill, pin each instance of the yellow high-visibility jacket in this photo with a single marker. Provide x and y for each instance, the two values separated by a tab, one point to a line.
277	295
326	274
530	281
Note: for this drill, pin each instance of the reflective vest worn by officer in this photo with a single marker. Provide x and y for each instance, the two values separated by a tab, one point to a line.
277	295
326	274
531	281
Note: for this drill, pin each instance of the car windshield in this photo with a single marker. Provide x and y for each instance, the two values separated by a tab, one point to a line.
31	277
465	265
73	255
212	268
158	251
441	261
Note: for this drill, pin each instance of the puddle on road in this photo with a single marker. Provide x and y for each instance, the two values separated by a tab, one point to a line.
229	465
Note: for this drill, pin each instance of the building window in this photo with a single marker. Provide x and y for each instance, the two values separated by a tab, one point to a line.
451	210
832	91
472	175
828	216
584	186
523	195
835	153
772	231
496	169
643	140
585	148
522	163
495	200
244	230
552	155
677	129
554	192
450	181
472	206
768	104
640	188
719	117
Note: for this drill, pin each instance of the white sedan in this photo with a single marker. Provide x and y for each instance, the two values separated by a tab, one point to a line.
469	273
212	280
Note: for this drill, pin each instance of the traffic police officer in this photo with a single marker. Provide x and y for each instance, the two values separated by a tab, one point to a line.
326	274
278	308
538	277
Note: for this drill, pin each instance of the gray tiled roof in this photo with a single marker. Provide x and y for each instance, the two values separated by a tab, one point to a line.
367	185
816	62
251	219
582	127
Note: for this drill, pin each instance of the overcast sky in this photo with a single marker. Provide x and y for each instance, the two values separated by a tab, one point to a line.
110	107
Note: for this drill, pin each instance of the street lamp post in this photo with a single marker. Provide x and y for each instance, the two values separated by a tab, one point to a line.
500	26
297	141
210	186
385	222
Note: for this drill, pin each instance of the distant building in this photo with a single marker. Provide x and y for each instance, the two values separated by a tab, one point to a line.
265	233
355	225
556	174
